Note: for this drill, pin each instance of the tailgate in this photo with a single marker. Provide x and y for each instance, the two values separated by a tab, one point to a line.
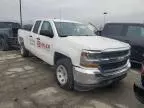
13	40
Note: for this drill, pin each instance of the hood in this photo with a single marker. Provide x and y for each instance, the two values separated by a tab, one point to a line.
96	43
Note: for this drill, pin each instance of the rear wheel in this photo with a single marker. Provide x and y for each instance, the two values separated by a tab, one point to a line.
64	74
24	52
3	45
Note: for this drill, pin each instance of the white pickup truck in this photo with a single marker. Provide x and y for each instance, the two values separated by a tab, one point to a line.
83	60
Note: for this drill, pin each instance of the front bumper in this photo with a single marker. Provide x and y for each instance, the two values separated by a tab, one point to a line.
90	78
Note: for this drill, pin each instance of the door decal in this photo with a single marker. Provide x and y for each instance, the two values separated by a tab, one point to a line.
43	45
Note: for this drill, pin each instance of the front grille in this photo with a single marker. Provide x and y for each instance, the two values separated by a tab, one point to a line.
115	54
111	66
114	60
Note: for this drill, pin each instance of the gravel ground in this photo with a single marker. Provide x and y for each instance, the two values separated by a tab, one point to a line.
30	83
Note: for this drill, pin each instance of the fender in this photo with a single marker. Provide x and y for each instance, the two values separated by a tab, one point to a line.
21	40
58	56
71	53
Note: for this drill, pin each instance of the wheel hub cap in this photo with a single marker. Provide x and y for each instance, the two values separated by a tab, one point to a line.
61	74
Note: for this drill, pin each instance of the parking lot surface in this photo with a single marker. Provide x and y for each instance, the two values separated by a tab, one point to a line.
30	83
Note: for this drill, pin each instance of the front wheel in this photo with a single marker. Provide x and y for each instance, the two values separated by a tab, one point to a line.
64	74
24	52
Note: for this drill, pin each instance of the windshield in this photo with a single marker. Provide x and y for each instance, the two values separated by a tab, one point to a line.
73	29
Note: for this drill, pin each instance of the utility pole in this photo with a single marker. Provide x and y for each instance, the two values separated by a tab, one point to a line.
105	13
21	20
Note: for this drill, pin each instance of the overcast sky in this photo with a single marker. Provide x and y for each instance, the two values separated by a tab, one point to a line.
83	10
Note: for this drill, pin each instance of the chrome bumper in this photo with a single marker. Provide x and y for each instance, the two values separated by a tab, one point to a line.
87	76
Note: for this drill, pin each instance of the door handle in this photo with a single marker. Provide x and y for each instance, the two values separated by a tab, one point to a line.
30	36
38	38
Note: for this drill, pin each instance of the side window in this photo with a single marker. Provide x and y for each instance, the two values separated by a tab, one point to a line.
36	27
46	29
135	31
113	30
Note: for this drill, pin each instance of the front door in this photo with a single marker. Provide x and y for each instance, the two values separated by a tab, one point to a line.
45	42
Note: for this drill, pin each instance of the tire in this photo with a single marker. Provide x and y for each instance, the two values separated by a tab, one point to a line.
24	52
65	64
3	45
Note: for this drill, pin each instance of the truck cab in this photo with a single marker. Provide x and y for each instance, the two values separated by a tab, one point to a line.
131	33
8	35
83	61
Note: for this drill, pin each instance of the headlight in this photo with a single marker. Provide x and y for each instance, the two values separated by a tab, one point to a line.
89	59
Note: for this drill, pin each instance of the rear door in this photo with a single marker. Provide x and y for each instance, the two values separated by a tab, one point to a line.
45	42
135	37
33	36
114	31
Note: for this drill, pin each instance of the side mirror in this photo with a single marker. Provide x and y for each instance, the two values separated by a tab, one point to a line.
46	33
98	33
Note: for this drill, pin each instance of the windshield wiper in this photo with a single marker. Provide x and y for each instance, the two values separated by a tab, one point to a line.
65	35
85	35
74	35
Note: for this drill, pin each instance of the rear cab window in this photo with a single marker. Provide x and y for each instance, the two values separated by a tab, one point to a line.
36	27
112	30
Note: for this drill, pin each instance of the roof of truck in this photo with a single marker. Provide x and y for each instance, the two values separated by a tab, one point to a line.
59	20
128	23
9	22
9	25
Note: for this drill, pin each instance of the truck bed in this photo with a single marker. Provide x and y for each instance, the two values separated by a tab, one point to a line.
23	35
10	36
